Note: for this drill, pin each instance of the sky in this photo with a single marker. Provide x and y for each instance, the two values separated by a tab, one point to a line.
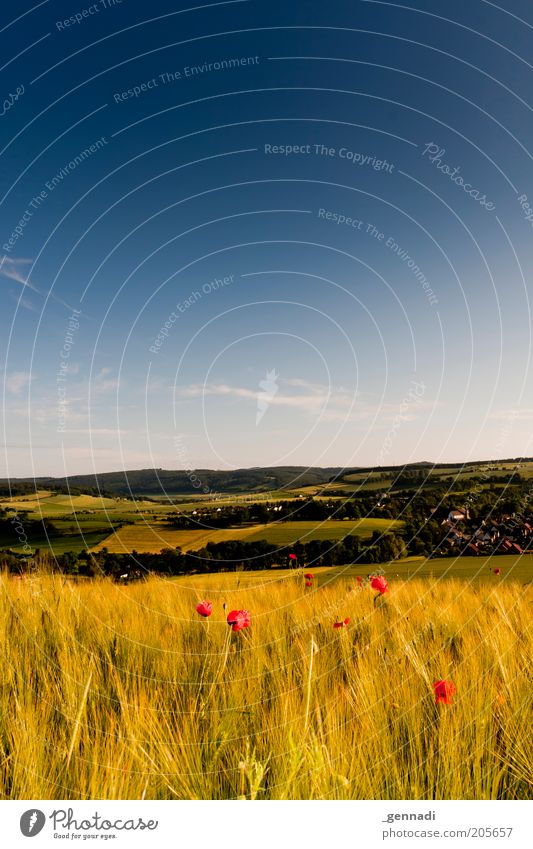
256	233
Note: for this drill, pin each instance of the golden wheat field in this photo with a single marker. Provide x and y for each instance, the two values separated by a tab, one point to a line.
112	692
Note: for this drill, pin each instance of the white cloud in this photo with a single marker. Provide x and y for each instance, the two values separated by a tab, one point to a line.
307	403
14	269
22	301
17	381
525	414
98	431
333	404
316	388
102	383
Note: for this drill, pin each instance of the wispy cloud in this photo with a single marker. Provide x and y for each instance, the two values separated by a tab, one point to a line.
525	414
332	404
78	397
17	381
13	269
23	301
99	431
103	383
17	269
316	388
308	403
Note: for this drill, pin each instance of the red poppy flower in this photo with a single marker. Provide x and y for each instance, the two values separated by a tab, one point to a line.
292	557
342	624
444	692
359	579
204	608
238	619
380	584
497	571
309	576
308	583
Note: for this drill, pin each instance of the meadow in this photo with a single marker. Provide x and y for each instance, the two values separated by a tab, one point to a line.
125	692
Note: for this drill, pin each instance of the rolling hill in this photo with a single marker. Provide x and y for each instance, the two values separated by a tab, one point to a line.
210	482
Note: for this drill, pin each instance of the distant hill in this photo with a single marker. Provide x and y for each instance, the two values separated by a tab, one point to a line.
150	482
161	481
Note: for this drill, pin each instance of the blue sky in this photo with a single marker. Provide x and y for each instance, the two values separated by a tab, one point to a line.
255	233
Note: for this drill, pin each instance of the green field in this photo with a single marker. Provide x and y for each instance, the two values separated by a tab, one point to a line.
58	544
86	521
152	537
47	505
82	520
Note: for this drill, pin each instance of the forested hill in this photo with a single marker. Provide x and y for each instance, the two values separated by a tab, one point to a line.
210	482
161	481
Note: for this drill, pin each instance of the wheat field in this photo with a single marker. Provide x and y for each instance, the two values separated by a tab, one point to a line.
112	692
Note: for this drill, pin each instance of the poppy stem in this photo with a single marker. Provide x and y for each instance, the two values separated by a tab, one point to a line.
312	649
218	676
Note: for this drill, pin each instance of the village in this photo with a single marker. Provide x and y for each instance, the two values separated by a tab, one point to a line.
506	534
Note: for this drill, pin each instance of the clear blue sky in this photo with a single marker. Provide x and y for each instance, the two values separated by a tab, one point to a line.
260	232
